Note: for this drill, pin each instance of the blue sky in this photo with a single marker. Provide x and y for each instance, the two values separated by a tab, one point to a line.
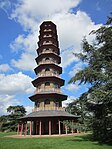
19	30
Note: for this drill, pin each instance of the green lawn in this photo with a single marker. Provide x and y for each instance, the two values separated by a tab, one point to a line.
70	142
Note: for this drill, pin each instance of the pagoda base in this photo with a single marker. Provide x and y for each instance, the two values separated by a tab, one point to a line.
47	122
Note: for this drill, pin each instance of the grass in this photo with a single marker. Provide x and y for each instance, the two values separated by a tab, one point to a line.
70	142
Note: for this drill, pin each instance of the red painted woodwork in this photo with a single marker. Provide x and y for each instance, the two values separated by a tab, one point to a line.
40	131
31	128
59	127
49	127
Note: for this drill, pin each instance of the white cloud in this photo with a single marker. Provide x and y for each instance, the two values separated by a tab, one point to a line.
29	109
71	28
10	100
69	100
5	68
5	5
11	87
79	66
5	102
25	43
17	44
37	9
15	83
25	13
26	62
72	87
67	57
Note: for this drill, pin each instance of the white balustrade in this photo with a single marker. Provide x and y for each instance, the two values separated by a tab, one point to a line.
47	91
48	74
48	108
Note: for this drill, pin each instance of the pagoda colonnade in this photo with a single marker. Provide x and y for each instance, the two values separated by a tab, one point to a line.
28	127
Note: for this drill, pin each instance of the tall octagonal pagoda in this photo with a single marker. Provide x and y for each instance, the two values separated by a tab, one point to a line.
48	114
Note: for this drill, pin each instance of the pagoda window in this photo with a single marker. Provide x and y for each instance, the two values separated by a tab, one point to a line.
53	51
47	49
37	104
40	52
47	101
57	104
55	72
47	83
47	69
47	59
56	86
60	104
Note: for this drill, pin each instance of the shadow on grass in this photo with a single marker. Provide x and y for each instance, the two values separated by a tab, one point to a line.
88	137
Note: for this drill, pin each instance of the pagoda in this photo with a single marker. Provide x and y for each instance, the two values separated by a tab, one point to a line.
48	114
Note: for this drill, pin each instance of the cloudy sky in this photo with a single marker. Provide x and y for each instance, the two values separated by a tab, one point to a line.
19	30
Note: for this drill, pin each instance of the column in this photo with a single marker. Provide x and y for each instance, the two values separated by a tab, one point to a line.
72	128
21	129
40	131
31	128
66	129
49	127
77	131
26	129
36	127
18	128
59	127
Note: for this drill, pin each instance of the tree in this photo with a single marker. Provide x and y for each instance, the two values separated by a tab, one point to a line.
98	74
78	107
3	123
9	122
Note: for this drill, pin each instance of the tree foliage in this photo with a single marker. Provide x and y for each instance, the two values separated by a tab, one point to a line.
78	107
98	74
9	122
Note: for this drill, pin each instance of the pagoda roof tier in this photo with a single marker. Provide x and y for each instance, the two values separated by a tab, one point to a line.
45	55
47	41
51	46
43	66
50	114
48	34
47	79
53	39
45	95
47	23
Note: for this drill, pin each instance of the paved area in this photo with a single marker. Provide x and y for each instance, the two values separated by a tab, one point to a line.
45	136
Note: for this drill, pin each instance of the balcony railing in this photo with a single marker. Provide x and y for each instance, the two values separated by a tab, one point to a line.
46	30
48	51
48	43
49	35
47	62
48	108
48	74
53	90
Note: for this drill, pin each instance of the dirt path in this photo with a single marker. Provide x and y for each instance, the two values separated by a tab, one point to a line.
45	136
